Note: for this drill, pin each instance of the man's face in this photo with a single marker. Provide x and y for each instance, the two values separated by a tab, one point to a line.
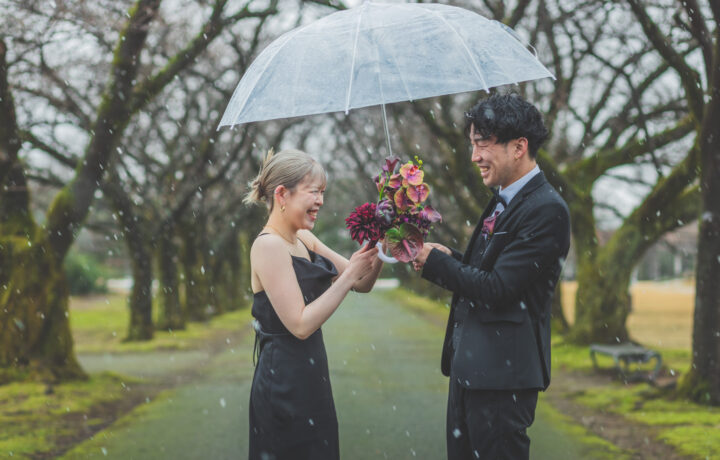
496	161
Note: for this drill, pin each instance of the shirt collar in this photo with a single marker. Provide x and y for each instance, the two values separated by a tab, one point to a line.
509	192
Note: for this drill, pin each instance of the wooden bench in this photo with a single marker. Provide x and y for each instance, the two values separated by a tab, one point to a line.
628	353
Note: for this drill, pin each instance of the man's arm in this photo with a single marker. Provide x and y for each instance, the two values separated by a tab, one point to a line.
542	239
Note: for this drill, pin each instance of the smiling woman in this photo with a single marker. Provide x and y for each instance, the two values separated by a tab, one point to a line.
298	283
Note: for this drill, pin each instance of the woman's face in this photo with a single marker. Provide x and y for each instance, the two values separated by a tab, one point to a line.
302	203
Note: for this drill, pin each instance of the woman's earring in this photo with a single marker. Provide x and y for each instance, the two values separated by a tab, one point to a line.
282	208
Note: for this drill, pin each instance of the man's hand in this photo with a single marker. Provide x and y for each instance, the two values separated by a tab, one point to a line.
422	256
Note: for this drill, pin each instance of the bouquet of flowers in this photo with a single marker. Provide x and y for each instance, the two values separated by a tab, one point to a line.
400	214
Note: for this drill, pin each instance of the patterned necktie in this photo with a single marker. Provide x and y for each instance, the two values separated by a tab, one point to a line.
489	225
498	197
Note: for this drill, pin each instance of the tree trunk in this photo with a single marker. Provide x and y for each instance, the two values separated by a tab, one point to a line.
171	316
238	293
602	306
35	338
225	283
559	322
197	289
140	300
137	237
604	273
702	383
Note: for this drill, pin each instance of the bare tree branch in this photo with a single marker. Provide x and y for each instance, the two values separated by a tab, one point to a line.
689	77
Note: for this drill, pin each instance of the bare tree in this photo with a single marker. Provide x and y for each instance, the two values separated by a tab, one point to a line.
35	329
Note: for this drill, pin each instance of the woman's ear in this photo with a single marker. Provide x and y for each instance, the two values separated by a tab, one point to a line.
280	194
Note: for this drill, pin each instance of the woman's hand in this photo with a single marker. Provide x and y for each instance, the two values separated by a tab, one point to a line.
361	263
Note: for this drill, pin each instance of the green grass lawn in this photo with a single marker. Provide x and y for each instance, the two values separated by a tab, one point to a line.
99	325
37	418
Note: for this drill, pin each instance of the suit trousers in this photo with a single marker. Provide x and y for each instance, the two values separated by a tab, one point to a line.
489	424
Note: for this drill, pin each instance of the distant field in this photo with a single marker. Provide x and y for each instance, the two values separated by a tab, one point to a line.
662	312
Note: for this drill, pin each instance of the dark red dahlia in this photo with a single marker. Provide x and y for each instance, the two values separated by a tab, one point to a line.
363	225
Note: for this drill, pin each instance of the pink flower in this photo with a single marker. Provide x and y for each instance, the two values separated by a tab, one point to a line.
395	182
380	182
418	193
411	174
402	201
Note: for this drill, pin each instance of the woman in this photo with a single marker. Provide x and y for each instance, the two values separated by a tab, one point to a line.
298	282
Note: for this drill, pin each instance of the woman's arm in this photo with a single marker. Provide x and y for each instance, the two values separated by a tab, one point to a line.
365	284
272	264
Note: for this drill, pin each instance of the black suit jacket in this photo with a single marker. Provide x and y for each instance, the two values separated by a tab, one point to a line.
503	289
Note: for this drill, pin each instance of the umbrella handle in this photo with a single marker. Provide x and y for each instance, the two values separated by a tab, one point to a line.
383	257
381	254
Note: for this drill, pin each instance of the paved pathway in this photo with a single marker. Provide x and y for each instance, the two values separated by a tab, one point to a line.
389	393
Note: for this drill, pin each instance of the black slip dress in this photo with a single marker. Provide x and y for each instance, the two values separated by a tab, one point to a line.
292	413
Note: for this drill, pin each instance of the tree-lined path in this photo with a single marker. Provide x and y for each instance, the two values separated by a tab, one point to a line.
384	364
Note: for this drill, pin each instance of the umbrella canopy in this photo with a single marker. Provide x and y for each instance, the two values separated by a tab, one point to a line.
376	54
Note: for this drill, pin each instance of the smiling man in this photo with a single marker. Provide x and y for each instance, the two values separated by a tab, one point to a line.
497	344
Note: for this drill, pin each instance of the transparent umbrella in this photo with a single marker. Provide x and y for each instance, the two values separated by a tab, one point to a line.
379	53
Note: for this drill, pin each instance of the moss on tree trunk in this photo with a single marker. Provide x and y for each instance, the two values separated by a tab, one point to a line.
702	383
559	323
602	305
198	299
140	301
170	314
35	338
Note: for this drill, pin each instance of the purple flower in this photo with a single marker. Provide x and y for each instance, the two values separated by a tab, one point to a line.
385	213
430	214
390	163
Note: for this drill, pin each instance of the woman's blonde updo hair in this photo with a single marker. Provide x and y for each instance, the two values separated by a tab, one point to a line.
288	167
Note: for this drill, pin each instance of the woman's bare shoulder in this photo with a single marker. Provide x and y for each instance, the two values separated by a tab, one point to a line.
267	244
309	238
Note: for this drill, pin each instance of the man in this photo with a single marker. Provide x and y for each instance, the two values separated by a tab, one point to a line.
497	343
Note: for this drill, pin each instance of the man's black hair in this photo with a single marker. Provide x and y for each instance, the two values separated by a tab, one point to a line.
507	117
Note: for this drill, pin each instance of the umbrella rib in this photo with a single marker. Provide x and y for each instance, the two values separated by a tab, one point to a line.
509	30
467	51
352	62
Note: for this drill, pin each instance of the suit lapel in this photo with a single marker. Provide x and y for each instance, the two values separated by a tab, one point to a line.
534	183
488	209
